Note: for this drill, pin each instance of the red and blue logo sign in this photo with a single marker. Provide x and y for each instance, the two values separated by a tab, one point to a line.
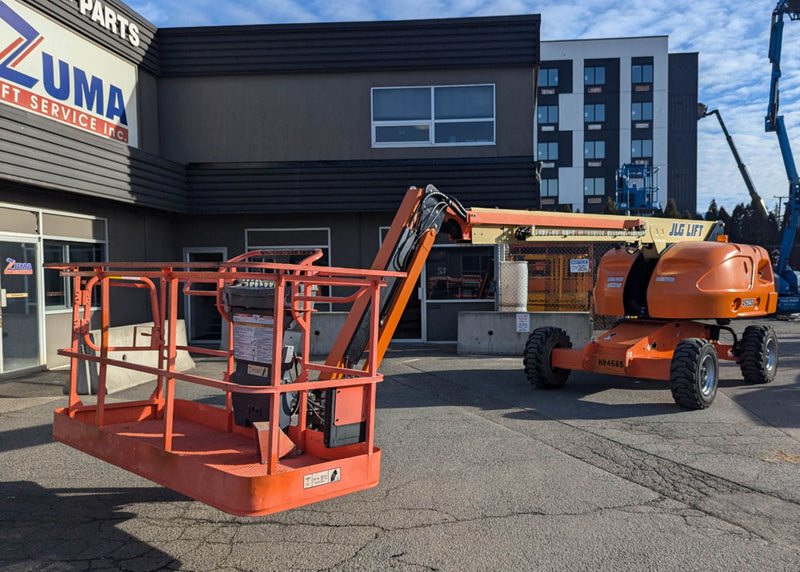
63	91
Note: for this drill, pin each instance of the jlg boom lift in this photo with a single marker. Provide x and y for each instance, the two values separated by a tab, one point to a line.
293	432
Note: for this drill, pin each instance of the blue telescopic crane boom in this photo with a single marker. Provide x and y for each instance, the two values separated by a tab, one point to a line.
787	279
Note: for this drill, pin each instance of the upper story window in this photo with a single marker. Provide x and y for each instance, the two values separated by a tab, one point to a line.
548	77
594	149
642	111
642	73
547	151
441	115
549	188
594	112
595	75
594	186
641	148
547	114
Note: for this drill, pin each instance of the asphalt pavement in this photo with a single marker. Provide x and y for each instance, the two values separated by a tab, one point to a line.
480	471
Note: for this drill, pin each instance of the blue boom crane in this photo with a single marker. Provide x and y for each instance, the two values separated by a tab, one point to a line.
786	279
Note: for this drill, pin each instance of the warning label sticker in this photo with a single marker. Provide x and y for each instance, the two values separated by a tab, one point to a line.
322	478
252	337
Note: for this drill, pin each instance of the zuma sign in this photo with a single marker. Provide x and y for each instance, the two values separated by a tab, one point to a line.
50	71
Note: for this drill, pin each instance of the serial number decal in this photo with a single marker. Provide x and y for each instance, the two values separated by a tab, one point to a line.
665	279
615	363
322	478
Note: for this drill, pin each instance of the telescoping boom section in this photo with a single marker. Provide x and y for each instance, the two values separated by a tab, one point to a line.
284	431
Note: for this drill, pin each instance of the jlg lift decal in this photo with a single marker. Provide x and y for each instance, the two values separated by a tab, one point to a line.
55	73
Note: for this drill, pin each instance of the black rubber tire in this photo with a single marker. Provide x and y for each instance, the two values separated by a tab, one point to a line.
694	373
758	358
536	359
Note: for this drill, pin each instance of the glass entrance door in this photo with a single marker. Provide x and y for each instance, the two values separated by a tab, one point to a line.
20	306
203	322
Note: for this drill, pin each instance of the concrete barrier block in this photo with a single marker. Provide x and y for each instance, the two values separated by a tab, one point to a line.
118	378
495	333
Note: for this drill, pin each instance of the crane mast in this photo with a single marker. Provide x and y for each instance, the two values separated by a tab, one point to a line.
787	279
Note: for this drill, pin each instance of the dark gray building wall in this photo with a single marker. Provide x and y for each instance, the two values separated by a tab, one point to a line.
682	132
361	186
321	117
350	46
42	152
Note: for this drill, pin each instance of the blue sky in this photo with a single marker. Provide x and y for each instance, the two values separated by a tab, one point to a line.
731	37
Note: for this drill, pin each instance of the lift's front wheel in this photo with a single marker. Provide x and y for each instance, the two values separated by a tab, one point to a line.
538	369
694	373
759	354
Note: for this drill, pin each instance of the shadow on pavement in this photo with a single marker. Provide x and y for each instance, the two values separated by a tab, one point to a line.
75	529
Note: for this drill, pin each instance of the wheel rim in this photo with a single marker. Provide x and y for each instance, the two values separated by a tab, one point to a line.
770	354
707	375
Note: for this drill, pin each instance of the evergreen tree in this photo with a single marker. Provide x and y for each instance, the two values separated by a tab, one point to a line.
713	212
610	206
672	210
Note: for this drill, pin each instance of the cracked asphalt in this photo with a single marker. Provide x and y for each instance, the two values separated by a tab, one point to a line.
480	471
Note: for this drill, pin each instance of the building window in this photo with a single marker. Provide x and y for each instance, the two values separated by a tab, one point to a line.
642	111
547	114
594	187
641	148
642	73
290	246
460	274
594	112
548	151
548	77
595	75
594	149
549	188
58	289
442	115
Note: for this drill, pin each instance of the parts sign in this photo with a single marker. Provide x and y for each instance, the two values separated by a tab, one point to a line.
50	71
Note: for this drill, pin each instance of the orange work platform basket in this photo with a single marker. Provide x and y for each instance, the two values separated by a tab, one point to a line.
291	432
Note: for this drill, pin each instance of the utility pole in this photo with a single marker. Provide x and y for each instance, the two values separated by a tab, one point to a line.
778	210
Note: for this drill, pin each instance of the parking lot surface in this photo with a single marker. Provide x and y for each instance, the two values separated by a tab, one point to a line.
480	471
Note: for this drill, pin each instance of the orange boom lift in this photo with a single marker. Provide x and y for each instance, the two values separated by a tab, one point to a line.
292	432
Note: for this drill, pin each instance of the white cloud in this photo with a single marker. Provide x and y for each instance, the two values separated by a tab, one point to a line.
731	39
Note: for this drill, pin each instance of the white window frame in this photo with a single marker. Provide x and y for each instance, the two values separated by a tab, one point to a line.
325	247
432	121
67	308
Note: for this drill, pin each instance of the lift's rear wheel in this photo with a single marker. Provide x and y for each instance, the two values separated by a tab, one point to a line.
538	370
694	373
759	354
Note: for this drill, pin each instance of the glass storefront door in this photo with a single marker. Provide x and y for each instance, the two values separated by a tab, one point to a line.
20	306
457	279
203	322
